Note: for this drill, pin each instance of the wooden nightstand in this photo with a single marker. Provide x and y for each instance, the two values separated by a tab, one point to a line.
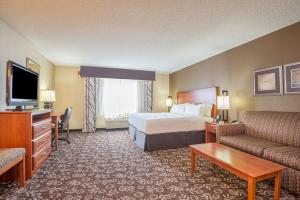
210	132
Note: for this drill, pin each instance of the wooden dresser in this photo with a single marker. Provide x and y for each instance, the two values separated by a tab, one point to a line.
30	130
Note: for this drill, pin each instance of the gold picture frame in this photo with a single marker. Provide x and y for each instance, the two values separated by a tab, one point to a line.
32	65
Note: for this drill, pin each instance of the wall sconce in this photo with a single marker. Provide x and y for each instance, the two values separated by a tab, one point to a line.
169	102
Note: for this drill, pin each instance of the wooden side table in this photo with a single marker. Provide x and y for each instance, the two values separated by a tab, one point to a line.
210	132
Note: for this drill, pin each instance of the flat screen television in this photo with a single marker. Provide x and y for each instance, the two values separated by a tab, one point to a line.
21	86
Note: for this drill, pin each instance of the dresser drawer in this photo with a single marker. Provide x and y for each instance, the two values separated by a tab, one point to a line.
40	142
40	128
39	158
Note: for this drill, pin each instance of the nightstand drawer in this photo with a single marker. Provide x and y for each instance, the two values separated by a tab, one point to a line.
211	128
210	132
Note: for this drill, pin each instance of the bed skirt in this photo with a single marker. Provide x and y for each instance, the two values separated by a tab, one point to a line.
150	142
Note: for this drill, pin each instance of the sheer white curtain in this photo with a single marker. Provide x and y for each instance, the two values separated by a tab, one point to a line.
116	98
99	97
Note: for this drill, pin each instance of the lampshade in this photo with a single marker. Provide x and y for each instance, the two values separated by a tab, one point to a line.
48	96
223	102
169	101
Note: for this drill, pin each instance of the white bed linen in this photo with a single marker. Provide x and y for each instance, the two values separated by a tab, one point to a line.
152	123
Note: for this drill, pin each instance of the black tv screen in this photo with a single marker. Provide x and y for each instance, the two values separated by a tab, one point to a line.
23	85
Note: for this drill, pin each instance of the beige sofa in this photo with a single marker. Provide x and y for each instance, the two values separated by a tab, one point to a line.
273	136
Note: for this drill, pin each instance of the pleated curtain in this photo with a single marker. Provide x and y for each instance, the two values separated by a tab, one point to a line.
89	120
145	96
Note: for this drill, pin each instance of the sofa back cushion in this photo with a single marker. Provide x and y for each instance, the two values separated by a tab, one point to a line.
282	127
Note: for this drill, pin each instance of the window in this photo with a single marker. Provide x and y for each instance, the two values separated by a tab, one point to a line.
119	98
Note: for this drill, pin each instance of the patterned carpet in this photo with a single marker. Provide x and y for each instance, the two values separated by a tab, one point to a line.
107	165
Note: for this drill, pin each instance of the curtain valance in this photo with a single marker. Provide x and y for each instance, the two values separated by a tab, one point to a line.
104	72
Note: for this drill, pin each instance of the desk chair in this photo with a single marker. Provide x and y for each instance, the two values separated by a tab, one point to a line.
63	125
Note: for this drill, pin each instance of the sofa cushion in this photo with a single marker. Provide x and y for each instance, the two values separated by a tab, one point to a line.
287	155
8	155
281	127
248	144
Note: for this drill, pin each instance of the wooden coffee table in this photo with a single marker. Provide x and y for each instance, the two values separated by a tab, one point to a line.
243	165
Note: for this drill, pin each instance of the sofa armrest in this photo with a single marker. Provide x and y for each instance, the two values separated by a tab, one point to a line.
229	129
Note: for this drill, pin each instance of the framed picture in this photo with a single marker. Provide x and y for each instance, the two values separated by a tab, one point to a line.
32	65
268	81
292	78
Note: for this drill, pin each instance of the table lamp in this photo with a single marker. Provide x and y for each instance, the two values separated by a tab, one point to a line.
223	104
48	97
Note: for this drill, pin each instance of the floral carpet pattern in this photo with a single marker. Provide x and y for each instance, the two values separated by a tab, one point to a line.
108	165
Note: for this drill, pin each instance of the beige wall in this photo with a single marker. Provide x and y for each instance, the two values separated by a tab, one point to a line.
233	71
16	48
160	92
69	92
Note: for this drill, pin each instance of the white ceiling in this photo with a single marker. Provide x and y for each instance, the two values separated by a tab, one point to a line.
160	35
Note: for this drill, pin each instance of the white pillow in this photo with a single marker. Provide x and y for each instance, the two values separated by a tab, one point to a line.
192	110
178	108
205	110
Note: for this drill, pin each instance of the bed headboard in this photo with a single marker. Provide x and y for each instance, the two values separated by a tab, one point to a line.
204	95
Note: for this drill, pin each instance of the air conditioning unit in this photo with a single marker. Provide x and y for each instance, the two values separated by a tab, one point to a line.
111	123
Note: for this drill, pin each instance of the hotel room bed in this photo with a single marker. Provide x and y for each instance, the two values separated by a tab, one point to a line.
155	131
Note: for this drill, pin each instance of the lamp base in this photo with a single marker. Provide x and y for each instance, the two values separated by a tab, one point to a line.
48	105
225	115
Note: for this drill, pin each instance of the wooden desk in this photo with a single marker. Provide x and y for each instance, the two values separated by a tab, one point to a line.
248	167
55	117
